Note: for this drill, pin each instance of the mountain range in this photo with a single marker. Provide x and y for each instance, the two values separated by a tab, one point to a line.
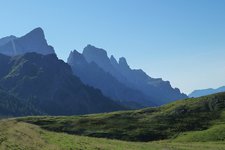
117	80
93	75
32	75
204	92
42	81
49	85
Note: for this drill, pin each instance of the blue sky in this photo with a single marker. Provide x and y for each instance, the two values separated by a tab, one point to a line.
182	41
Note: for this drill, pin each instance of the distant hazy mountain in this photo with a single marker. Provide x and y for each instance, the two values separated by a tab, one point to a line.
91	74
49	85
204	92
32	42
157	90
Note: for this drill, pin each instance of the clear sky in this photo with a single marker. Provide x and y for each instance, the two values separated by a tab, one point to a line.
182	41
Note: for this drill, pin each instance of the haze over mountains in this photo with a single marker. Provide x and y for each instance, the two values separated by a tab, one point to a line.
204	92
31	74
93	75
156	91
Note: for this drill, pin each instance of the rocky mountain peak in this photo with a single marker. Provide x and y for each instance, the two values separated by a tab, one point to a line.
113	61
34	41
37	32
92	53
123	62
76	58
37	35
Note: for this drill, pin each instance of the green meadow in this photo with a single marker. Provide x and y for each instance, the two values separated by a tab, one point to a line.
191	124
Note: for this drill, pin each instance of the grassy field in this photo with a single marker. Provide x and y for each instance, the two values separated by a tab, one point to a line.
23	136
199	119
192	124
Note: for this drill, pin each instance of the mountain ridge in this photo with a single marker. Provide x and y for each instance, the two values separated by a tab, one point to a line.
49	84
7	39
25	57
204	92
92	75
160	91
34	41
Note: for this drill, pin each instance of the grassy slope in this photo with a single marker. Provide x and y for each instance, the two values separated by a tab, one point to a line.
216	132
199	119
22	136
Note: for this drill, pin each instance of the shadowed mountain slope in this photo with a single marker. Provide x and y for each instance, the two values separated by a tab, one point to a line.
11	106
155	90
49	84
91	74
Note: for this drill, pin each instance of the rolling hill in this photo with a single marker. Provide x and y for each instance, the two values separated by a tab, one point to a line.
183	125
23	136
181	120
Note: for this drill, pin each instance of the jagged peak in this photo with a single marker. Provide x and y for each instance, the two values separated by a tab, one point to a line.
75	52
75	55
36	32
113	60
75	58
112	57
34	41
90	49
36	35
123	62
